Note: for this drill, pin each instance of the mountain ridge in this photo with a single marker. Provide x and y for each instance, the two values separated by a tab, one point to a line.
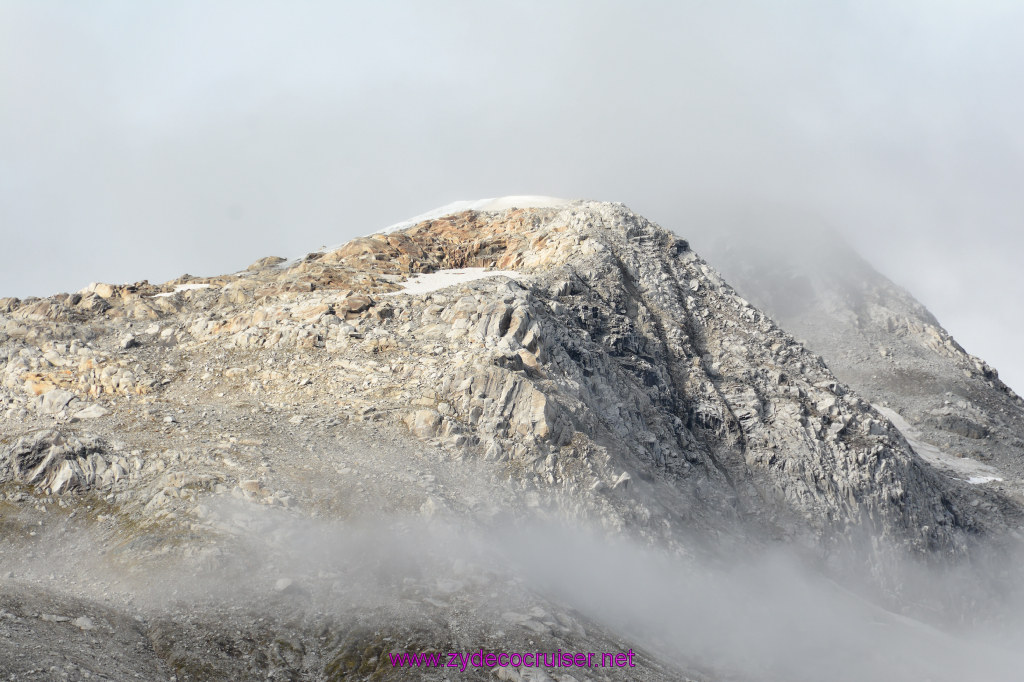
881	340
616	380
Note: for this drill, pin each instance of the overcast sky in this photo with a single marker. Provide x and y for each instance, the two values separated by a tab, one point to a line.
143	140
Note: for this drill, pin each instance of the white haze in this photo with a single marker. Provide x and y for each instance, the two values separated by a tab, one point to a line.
754	615
144	140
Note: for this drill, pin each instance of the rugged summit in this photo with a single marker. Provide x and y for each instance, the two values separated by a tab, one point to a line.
569	363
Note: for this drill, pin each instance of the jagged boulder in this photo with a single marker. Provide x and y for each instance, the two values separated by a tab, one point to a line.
56	400
56	462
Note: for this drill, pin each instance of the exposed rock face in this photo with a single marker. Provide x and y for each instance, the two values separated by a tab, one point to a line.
55	462
627	343
592	369
876	337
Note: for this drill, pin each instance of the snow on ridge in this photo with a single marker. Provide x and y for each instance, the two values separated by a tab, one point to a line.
440	279
492	204
179	288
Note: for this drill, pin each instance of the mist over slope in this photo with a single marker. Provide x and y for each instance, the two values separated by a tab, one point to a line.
877	337
576	436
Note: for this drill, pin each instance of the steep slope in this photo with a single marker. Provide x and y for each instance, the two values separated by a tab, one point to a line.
579	365
881	341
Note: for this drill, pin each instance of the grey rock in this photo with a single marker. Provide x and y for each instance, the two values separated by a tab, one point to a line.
266	262
84	623
54	461
51	618
93	411
423	423
55	401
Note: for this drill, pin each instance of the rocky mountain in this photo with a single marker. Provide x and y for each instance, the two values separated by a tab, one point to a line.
293	471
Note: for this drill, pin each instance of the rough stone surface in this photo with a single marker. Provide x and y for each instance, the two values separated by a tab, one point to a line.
54	461
879	340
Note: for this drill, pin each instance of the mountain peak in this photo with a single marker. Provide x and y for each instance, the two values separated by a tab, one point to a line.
491	204
568	362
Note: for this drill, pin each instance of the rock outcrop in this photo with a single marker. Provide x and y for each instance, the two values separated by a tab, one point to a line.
55	462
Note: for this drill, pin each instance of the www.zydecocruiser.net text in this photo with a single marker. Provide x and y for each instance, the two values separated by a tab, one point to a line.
529	659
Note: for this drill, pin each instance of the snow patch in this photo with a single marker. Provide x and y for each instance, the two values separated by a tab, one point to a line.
977	472
424	284
180	288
